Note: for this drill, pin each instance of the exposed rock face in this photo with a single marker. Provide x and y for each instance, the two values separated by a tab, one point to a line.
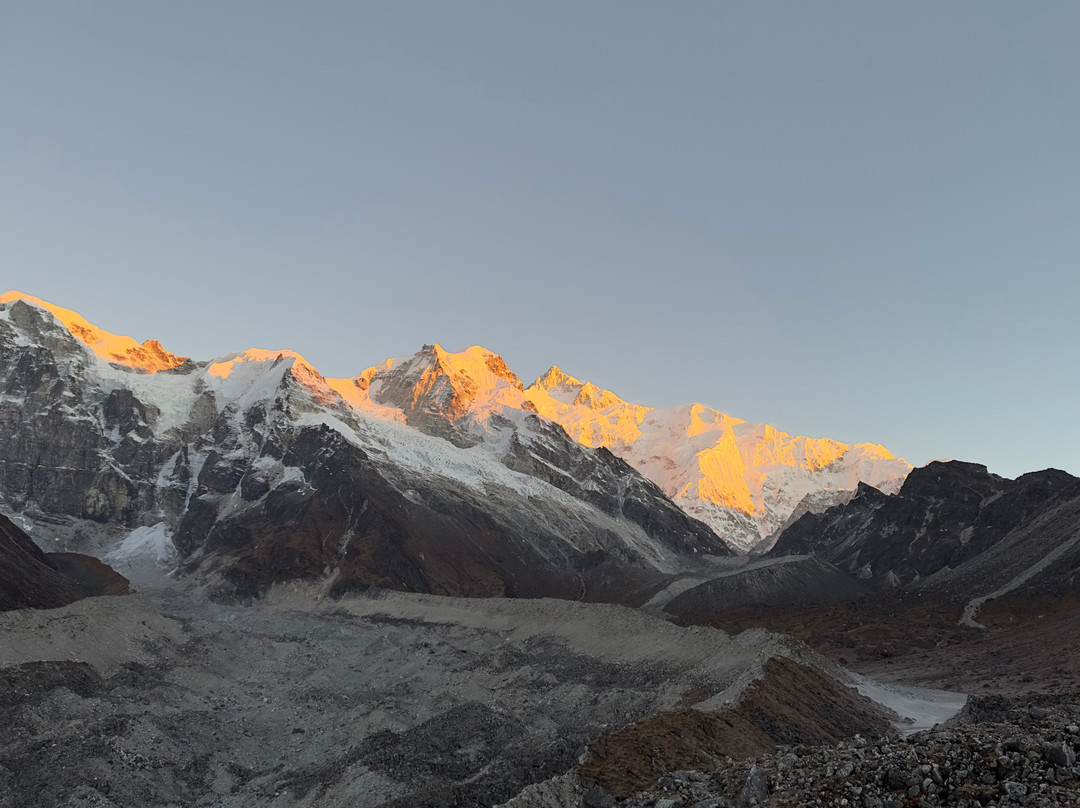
264	471
51	452
445	393
30	578
945	515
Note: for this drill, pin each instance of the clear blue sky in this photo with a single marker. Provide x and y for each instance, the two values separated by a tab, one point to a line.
856	220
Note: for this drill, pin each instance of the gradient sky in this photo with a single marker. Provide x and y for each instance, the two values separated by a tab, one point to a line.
855	220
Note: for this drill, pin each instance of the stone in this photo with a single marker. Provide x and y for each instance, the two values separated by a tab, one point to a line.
756	788
1014	790
598	797
895	780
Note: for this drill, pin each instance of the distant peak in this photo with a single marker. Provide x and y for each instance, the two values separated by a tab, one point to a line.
149	356
555	377
452	385
595	397
224	367
473	362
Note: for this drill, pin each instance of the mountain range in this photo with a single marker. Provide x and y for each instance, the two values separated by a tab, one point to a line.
361	590
105	434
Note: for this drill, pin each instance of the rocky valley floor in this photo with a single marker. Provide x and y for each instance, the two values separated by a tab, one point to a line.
387	699
416	700
392	699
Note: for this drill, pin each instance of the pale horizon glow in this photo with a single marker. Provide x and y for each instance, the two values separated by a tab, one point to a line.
849	221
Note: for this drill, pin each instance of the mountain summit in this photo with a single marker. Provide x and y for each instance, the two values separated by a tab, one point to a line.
148	356
473	385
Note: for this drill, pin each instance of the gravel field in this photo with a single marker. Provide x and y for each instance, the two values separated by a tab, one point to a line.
389	698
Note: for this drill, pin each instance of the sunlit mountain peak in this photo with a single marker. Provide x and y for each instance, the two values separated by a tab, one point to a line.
473	383
264	370
485	368
224	367
563	388
555	377
743	479
149	356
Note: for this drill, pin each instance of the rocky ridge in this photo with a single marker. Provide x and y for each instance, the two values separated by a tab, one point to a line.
950	520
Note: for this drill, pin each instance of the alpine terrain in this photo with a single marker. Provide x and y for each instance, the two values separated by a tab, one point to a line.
236	582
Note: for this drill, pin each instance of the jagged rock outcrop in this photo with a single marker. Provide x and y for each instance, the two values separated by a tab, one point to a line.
946	515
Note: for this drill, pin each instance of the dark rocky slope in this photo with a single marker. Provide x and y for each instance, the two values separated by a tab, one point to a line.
369	527
946	514
800	582
1001	751
976	581
790	704
30	578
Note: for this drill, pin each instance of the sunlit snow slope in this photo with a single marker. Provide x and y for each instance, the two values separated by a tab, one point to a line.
743	479
148	356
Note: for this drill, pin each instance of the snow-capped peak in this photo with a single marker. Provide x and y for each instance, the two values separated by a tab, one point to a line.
239	375
562	388
473	383
485	368
148	356
742	479
553	378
